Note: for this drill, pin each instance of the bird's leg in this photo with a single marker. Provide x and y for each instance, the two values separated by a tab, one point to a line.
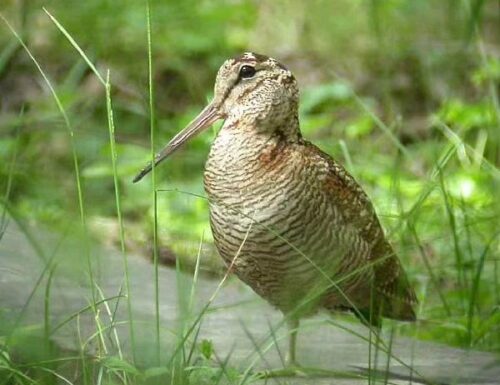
292	368
293	327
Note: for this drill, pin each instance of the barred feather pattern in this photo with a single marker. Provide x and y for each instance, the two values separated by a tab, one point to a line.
304	233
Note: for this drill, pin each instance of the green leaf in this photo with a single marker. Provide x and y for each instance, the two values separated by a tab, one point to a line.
315	98
156	371
206	349
116	363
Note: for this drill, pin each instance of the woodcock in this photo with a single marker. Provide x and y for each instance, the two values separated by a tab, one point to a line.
289	220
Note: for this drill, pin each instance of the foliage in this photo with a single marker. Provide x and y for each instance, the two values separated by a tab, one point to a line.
404	93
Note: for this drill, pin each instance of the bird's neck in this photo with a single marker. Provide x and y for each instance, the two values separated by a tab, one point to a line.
260	129
241	146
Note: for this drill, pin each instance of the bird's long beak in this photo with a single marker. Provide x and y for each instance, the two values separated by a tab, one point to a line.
205	119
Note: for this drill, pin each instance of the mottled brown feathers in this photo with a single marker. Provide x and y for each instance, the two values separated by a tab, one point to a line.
251	57
390	281
286	218
305	233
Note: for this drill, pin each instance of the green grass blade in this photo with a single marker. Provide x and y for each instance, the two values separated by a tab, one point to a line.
76	46
153	180
114	156
475	288
76	165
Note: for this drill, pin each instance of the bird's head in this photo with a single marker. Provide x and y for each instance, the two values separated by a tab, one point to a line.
256	90
252	92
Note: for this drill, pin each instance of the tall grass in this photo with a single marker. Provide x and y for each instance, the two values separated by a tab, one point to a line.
69	127
463	315
153	179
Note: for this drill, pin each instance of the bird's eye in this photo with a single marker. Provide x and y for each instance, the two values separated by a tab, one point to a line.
247	71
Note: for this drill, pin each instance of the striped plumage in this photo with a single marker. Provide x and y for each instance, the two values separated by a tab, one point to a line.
292	223
299	221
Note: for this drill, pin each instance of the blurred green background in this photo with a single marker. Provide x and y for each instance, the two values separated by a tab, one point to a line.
403	92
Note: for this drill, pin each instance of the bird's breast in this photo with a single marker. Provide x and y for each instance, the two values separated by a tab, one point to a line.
264	199
269	211
247	179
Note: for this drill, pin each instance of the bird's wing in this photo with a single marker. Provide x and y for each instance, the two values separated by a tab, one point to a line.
358	212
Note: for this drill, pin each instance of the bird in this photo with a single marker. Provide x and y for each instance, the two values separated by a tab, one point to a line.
287	218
